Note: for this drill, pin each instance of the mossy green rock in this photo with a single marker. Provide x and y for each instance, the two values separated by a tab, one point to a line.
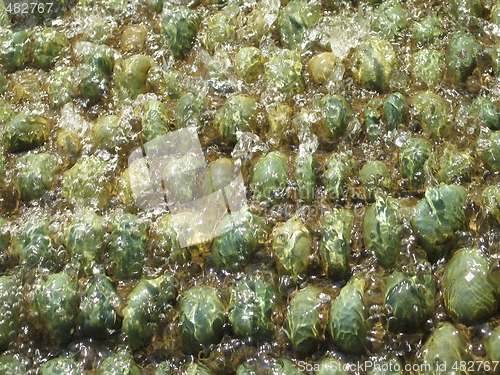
269	176
305	320
432	114
10	308
382	230
395	111
101	308
469	292
492	344
348	323
437	217
241	233
455	167
305	176
201	318
294	20
25	132
461	55
283	73
119	363
130	76
337	112
85	239
61	87
47	46
487	112
249	63
338	168
491	152
15	49
335	248
33	244
389	19
155	119
11	366
428	67
414	156
238	114
61	366
445	347
191	111
373	64
57	304
428	29
88	183
375	177
36	174
252	305
490	201
128	245
292	248
410	301
180	25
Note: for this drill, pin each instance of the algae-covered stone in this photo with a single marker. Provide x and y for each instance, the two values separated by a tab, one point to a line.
305	176
487	112
111	133
432	113
119	363
410	301
294	20
130	76
24	132
455	167
469	292
128	245
85	237
461	55
413	160
395	111
4	235
201	318
428	67
269	176
321	67
382	230
337	112
437	217
166	239
306	319
101	308
331	366
492	344
61	87
283	73
373	64
442	350
15	49
238	114
292	248
252	305
190	111
88	183
241	234
220	28
47	47
144	305
249	63
10	308
348	323
428	29
466	12
338	167
390	18
218	175
36	174
155	119
56	302
180	25
95	72
335	248
11	366
61	366
490	201
375	177
491	153
33	243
